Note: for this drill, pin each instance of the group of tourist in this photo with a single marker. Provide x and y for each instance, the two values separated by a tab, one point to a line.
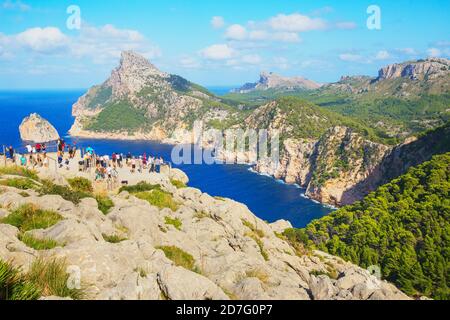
106	167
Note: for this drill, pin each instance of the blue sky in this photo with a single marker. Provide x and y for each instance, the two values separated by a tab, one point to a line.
214	42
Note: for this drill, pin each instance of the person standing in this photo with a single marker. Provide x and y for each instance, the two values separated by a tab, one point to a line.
157	165
23	160
29	148
11	153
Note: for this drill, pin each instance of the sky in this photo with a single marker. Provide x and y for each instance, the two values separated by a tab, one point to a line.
75	44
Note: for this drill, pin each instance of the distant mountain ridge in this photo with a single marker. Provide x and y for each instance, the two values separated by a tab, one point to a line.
270	80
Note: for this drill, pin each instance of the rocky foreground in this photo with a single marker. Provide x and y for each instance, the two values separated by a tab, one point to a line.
235	254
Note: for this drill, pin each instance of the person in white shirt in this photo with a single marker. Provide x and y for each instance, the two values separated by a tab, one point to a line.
29	148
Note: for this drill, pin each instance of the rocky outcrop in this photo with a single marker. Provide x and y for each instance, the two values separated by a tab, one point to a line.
428	69
270	80
36	129
332	168
235	255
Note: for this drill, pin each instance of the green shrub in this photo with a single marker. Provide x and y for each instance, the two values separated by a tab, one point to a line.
140	187
257	231
179	257
178	184
158	198
29	217
104	203
38	244
19	171
113	238
174	222
65	192
14	285
19	183
51	277
81	184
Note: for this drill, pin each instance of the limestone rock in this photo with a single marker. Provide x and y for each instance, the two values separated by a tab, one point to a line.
280	226
180	284
36	129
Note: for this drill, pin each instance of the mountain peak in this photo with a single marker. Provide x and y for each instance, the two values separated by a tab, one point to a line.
271	80
134	60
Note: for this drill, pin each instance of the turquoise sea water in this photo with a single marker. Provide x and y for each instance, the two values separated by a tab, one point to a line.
266	197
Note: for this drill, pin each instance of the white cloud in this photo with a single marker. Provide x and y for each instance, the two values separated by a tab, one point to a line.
346	25
217	22
443	43
350	57
43	40
252	59
15	5
281	63
189	63
408	51
236	32
259	35
434	52
100	44
218	52
296	23
104	44
382	55
286	37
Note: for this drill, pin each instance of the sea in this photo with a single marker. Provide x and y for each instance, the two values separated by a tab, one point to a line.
268	198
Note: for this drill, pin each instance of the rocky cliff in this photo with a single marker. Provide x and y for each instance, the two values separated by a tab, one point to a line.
205	248
34	128
342	166
404	80
270	80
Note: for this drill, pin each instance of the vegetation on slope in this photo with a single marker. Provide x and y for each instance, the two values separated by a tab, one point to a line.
118	116
403	227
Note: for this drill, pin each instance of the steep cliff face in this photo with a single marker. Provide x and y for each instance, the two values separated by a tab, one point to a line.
34	128
342	166
330	166
343	159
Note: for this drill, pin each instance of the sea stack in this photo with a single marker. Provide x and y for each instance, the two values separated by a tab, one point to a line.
36	129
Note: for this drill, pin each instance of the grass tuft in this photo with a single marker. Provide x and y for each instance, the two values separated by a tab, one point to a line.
174	222
19	171
257	231
180	258
51	277
19	183
14	285
64	191
113	238
38	244
158	198
140	187
178	184
29	217
104	203
81	184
